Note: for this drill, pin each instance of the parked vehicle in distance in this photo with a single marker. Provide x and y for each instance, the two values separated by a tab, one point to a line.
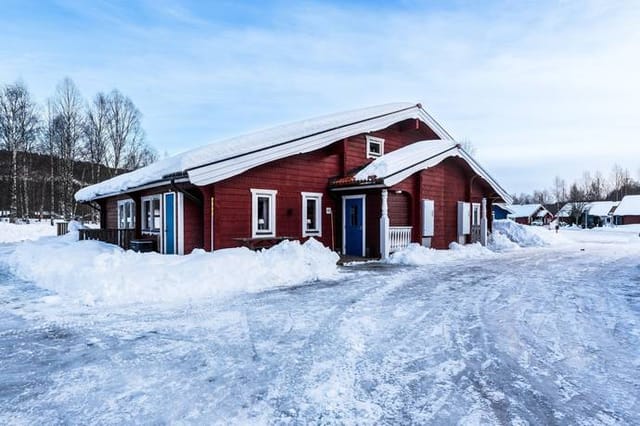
537	223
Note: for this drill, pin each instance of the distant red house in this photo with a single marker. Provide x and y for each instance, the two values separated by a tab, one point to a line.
628	211
528	214
364	183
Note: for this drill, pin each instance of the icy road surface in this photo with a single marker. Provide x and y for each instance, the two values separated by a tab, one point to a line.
539	336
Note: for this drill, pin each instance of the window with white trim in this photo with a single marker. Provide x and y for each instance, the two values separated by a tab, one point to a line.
151	213
375	147
263	212
126	214
311	214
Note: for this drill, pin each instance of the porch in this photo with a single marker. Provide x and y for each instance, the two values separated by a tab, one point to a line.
399	237
121	237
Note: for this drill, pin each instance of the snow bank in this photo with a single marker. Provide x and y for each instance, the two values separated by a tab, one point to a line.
12	232
417	255
523	236
93	272
500	242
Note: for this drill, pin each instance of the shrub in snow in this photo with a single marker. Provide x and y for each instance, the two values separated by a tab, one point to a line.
520	234
94	272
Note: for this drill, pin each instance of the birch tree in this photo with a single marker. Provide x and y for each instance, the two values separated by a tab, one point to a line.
124	128
68	126
96	134
19	122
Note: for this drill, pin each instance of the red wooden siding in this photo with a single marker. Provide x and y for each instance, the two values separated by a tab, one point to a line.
445	184
630	220
290	177
399	209
193	226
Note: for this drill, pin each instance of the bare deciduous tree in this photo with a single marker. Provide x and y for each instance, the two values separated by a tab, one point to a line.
123	127
19	121
139	155
96	133
68	126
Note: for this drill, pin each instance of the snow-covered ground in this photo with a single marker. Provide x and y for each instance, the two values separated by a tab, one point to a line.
542	334
10	232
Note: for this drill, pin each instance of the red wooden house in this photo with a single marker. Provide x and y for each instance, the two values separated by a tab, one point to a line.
363	182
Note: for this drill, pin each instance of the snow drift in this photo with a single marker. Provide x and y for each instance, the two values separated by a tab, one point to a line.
417	255
93	272
11	232
522	235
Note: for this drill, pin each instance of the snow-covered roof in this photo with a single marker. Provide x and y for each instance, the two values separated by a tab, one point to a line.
526	210
543	213
600	208
227	158
397	165
629	206
567	209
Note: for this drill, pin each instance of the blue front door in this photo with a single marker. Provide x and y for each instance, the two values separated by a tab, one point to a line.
169	223
354	226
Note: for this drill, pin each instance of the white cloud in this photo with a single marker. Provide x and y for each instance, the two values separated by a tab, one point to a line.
542	89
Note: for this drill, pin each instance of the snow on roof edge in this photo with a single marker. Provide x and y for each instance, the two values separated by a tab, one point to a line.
227	148
401	163
629	206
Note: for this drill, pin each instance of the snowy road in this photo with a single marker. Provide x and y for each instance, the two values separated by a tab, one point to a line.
539	336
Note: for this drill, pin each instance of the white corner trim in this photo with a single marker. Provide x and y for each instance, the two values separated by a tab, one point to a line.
180	227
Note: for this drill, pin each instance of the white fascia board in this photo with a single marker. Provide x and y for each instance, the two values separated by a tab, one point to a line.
399	177
456	152
434	125
228	168
133	189
486	176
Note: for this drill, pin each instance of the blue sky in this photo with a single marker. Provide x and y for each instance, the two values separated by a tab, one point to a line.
540	88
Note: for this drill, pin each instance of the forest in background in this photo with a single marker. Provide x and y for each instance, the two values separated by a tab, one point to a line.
48	152
590	187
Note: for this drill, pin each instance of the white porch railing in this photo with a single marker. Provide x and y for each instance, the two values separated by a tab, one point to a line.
399	237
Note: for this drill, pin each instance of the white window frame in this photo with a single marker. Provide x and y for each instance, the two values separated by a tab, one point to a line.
130	206
143	213
476	208
255	194
373	139
317	196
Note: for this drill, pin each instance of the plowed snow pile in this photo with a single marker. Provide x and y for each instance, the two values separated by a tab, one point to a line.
522	235
92	272
417	255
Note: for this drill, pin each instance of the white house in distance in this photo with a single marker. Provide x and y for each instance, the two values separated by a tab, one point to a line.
526	214
628	211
